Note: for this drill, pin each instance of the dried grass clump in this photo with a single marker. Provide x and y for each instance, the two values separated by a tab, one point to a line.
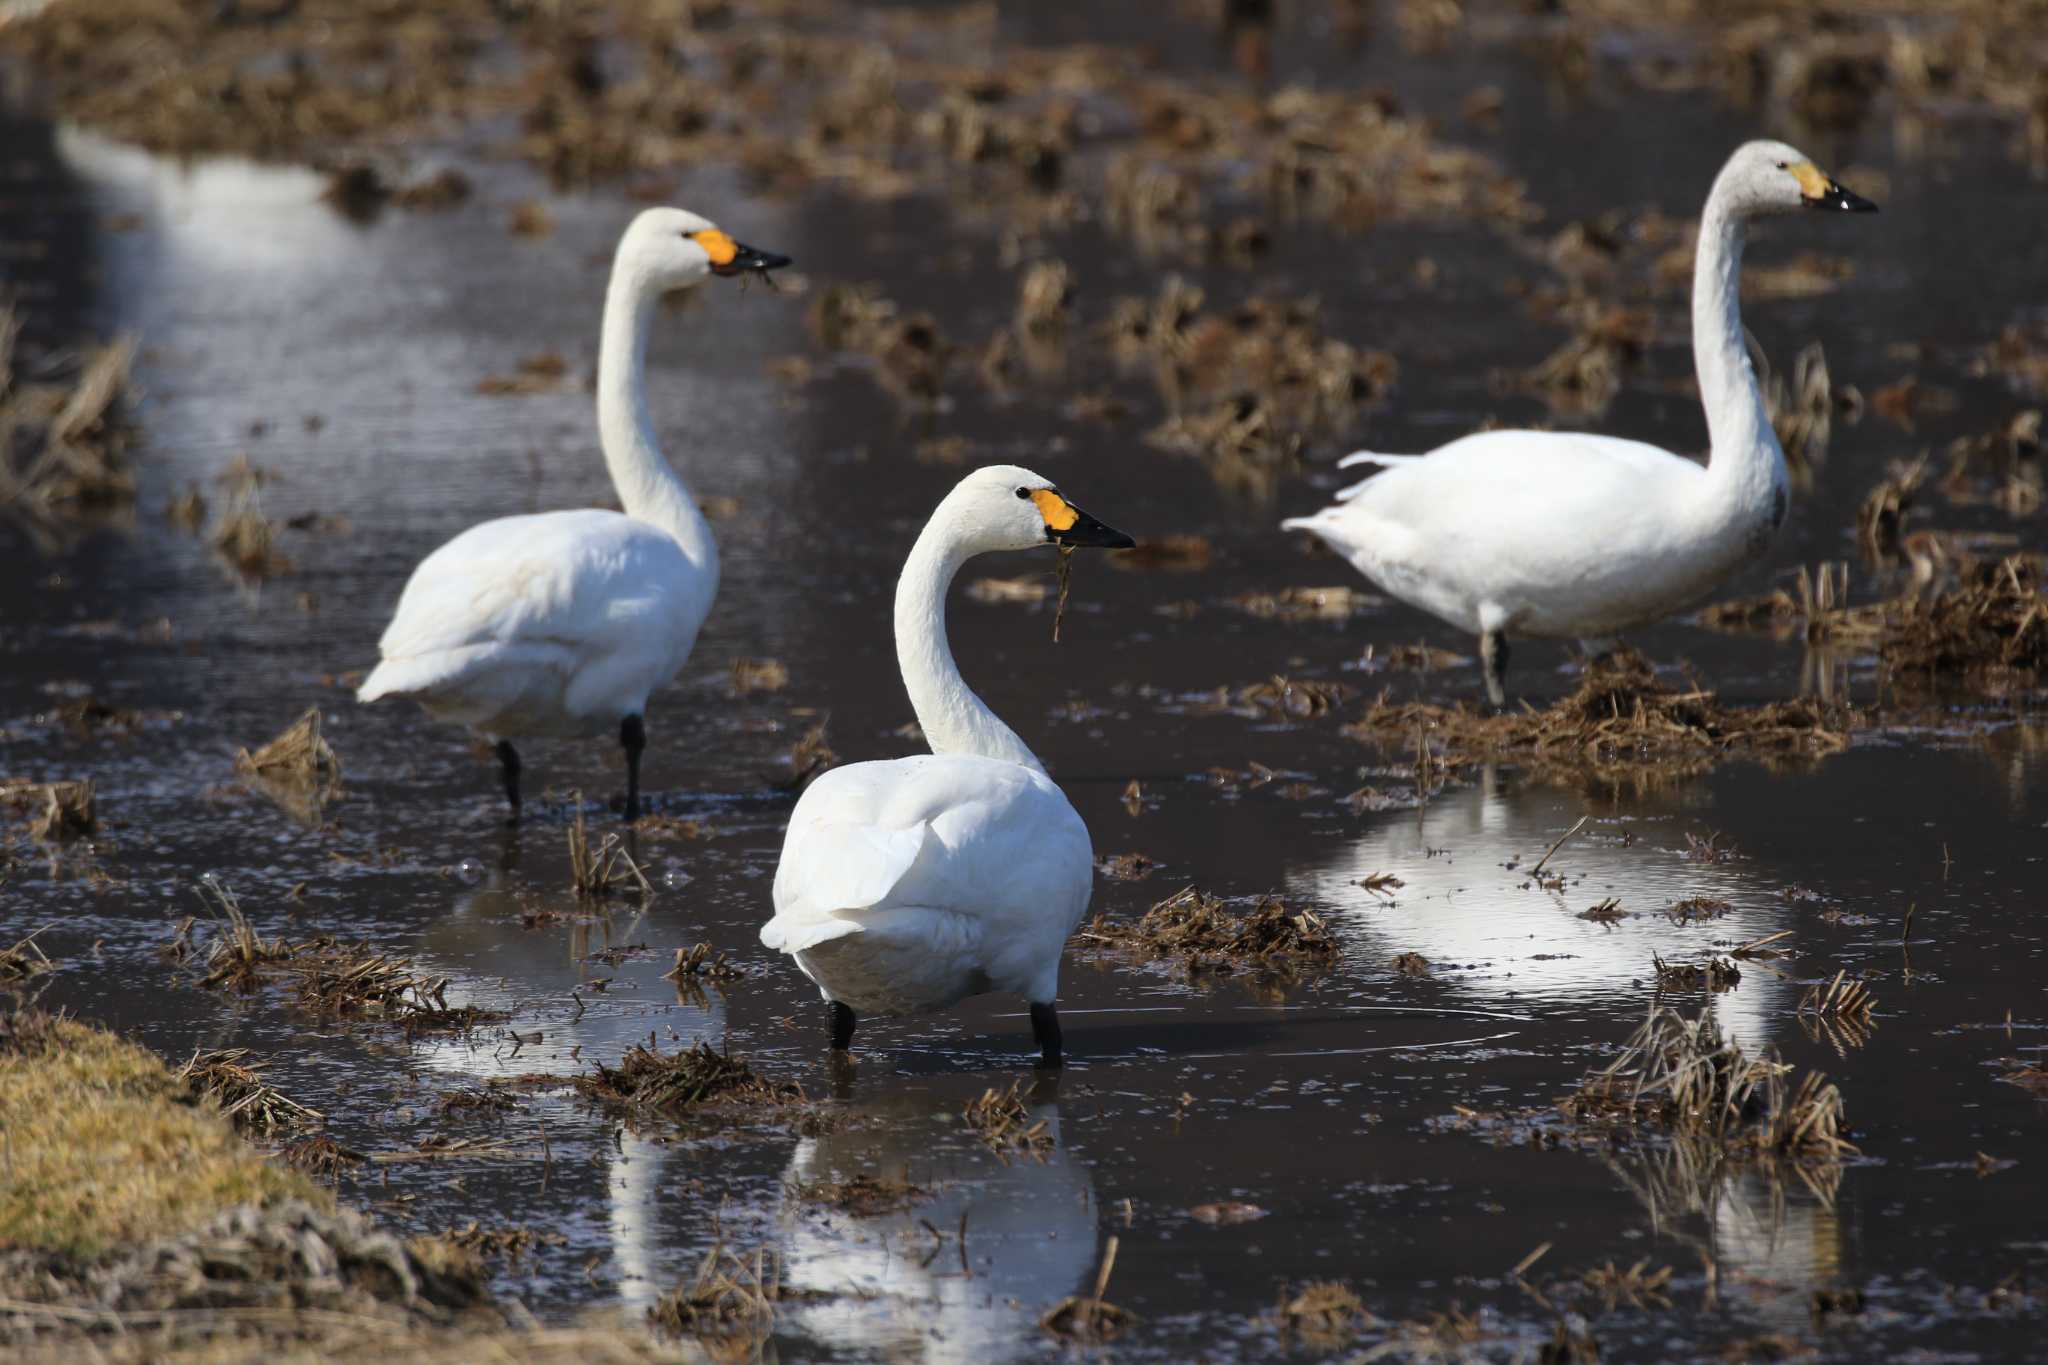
910	354
1324	1315
730	1297
227	1079
328	978
1089	1318
1681	1076
597	872
1620	721
2031	1077
25	961
757	675
506	1243
1001	1119
811	755
1638	1286
1277	698
1204	937
244	537
63	444
299	754
647	1081
1994	622
863	1195
55	810
105	1150
703	963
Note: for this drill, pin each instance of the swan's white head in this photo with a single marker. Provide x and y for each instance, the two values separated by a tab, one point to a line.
1005	507
1775	177
672	249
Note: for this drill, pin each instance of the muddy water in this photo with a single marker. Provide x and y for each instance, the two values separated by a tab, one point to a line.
345	358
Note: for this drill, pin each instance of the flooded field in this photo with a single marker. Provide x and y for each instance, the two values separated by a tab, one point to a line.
1488	922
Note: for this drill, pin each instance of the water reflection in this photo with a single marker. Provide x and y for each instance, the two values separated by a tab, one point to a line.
580	986
1470	905
1773	1231
904	1285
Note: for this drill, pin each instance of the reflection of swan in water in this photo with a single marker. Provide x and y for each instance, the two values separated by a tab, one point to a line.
898	1290
1773	1234
1462	907
537	975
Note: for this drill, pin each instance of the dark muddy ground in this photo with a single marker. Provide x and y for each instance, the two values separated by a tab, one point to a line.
345	358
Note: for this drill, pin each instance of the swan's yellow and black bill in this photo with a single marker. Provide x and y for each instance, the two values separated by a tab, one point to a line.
736	258
1066	524
1820	192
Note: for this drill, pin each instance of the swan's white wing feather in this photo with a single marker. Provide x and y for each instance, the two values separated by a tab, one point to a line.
1548	530
952	868
588	608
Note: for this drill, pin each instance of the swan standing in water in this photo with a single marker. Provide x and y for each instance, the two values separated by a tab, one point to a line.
561	624
910	884
1556	535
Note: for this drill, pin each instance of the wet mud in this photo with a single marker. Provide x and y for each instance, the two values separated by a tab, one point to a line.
1179	263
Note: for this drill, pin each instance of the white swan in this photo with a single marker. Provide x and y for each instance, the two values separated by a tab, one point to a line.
562	623
912	883
1558	535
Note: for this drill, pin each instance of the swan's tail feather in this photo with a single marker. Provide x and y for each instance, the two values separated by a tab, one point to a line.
786	937
1357	457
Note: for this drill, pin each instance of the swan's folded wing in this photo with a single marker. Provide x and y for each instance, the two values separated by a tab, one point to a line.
573	580
974	836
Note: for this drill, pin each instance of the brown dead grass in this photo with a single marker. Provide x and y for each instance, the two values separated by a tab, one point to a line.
63	442
650	1082
300	753
1621	720
1680	1075
1202	936
1002	1119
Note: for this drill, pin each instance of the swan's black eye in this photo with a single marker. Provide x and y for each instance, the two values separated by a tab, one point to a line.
1784	165
1023	492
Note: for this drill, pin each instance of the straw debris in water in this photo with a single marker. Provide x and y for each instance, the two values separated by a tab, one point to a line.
1325	1315
1090	1318
730	1296
863	1195
299	754
55	810
1001	1119
1619	719
228	1079
1203	936
1683	1077
597	872
648	1081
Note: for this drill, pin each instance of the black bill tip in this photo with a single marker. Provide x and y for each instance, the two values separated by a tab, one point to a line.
1836	199
748	260
1087	531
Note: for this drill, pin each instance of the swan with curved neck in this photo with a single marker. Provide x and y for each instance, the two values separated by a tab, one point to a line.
1556	535
562	623
910	884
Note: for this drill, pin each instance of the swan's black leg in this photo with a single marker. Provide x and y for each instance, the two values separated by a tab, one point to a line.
842	1027
508	759
1045	1031
633	739
1493	657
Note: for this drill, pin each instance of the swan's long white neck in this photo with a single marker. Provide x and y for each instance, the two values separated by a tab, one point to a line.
647	484
1746	470
954	720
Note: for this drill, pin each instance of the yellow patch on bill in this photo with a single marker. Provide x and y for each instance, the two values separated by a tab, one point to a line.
1813	181
1059	514
719	247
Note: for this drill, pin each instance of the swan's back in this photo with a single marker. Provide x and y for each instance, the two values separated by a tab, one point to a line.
968	872
558	622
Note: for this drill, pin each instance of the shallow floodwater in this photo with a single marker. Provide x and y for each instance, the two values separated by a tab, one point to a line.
345	358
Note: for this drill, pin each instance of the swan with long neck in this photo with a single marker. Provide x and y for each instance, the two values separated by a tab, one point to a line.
910	884
1562	535
562	623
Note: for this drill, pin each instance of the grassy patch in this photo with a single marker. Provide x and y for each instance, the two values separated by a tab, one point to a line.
105	1146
